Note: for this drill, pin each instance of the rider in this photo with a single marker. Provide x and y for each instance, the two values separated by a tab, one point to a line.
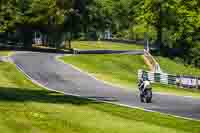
141	88
143	82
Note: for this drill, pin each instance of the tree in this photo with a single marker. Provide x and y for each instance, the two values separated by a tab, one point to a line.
8	15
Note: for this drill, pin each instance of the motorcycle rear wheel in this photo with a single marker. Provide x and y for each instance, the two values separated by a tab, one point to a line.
148	96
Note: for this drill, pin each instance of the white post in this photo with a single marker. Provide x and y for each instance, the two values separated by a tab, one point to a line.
146	42
35	37
148	50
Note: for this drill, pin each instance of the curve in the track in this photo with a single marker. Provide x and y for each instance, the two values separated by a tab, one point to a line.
46	70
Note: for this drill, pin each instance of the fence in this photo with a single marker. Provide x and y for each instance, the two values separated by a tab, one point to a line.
164	78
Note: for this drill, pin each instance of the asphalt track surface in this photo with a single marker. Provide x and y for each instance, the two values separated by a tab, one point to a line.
46	70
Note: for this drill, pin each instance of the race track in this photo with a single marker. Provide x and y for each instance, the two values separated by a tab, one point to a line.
46	70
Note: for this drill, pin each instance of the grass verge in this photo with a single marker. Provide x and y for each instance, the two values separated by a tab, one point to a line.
172	67
6	53
121	70
27	108
103	45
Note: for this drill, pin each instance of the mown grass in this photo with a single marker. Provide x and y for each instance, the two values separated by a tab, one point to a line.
27	108
103	45
6	53
176	68
121	70
173	67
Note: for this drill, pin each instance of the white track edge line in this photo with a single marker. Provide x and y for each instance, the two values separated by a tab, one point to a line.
84	72
108	83
119	104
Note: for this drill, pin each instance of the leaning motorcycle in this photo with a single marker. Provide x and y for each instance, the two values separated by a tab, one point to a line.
146	92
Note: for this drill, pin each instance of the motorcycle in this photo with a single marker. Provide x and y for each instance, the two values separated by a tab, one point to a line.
145	91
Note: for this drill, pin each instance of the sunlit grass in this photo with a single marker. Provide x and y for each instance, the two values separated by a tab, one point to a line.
103	45
117	69
6	53
122	71
27	108
173	67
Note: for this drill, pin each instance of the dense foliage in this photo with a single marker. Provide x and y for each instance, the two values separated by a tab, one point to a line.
172	25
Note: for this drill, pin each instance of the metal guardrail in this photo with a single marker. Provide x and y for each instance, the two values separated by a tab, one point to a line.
164	78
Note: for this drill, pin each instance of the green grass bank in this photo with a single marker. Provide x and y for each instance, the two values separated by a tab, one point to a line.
6	53
173	67
27	108
121	70
103	45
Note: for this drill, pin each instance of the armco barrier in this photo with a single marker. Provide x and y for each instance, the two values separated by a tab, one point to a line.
164	78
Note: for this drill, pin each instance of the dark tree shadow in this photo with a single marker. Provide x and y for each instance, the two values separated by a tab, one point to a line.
36	49
43	96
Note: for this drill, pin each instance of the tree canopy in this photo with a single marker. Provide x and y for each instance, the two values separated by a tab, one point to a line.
168	23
